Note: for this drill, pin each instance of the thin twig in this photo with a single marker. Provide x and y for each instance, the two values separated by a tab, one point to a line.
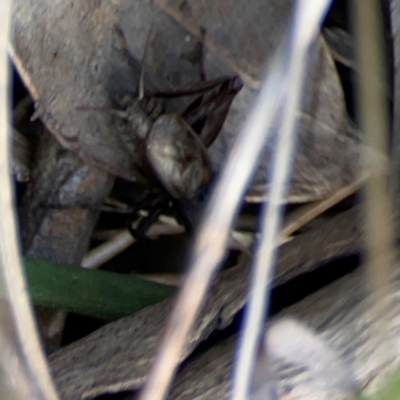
106	251
143	64
308	212
123	240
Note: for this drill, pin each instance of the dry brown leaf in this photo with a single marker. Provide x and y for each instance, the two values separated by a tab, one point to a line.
244	34
328	155
340	315
118	356
68	56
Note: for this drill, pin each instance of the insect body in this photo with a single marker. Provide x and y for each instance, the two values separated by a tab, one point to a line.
177	156
166	144
167	150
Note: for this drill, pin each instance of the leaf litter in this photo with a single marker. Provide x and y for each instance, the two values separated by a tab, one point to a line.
81	64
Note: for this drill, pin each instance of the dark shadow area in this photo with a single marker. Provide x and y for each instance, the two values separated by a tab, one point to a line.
77	326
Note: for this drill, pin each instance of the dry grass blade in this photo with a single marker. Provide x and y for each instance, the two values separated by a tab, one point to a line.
11	269
308	212
374	121
305	27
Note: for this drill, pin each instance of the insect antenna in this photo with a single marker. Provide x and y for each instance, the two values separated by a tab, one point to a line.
132	62
141	78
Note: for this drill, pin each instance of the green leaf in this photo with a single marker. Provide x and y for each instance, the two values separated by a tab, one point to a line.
102	294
